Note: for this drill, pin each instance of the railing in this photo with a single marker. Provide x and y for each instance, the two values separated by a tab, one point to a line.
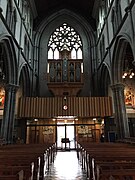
64	70
34	107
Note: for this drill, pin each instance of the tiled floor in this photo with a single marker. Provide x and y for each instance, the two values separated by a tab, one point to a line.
66	167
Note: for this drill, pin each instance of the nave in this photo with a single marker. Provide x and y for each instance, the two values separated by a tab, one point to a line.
93	161
66	167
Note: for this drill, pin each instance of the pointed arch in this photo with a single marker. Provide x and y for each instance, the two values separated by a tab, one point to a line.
24	80
118	57
61	17
104	79
43	33
10	60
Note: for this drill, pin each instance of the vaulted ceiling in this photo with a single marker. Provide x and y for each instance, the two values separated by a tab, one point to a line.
81	7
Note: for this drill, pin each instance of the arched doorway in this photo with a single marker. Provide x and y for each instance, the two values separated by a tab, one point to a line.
64	131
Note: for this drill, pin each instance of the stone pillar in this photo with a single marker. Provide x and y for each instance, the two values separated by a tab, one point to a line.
7	126
120	111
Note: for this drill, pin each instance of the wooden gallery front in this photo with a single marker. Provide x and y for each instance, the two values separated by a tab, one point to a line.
75	118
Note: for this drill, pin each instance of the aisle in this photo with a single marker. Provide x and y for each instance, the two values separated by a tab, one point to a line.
66	167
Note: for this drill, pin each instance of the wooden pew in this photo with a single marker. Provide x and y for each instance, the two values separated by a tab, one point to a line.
24	157
18	176
118	174
9	177
107	153
104	168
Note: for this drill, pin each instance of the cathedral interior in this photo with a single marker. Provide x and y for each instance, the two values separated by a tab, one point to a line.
67	65
67	89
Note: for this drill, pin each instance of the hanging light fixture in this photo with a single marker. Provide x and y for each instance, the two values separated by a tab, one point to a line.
128	72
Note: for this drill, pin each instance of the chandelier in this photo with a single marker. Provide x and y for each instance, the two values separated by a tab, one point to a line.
128	70
128	73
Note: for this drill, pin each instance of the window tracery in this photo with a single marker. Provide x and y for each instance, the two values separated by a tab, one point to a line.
65	46
65	38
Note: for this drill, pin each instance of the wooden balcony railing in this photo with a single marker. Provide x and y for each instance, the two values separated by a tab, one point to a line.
34	107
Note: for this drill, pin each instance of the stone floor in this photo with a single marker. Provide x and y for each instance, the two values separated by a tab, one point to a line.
66	167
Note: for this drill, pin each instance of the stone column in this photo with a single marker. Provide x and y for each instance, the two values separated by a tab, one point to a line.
120	111
9	112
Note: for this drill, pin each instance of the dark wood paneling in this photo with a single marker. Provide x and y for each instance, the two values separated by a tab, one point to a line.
31	107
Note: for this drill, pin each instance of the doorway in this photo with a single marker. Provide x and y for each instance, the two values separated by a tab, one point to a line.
69	128
65	135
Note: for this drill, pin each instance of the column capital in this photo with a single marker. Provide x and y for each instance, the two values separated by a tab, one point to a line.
118	86
11	87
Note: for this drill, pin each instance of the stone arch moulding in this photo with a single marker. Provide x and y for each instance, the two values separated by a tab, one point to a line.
118	58
73	20
10	60
24	72
64	15
105	78
86	33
